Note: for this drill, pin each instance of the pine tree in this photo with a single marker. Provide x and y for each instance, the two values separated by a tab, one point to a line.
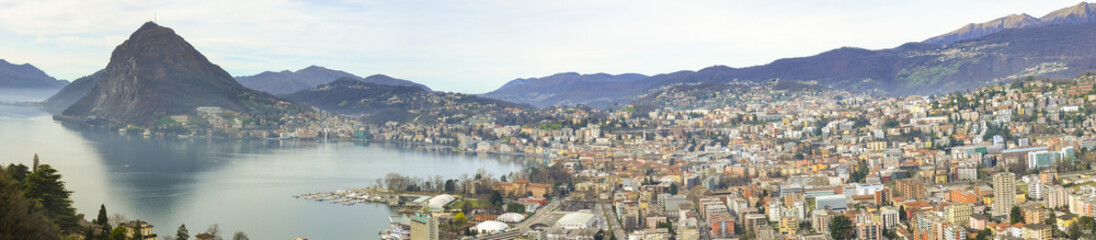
19	218
182	233
102	218
46	188
1015	216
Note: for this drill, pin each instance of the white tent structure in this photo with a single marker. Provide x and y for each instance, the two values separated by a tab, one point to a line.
437	203
490	227
511	217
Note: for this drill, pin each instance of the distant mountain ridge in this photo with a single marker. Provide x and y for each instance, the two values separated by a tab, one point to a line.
1081	13
26	76
286	82
156	73
1059	44
379	103
562	89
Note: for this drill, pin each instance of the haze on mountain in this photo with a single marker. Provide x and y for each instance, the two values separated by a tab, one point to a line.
1057	45
380	103
14	76
286	82
564	89
156	73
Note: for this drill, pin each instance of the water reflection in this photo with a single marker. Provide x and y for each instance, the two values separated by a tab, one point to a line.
243	185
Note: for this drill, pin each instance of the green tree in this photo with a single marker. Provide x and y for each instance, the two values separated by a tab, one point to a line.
902	213
673	189
514	207
45	186
1015	216
102	220
182	233
1074	232
138	232
20	218
119	233
841	228
984	234
18	172
496	198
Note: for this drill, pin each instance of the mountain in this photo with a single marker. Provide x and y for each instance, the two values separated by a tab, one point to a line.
1081	13
156	73
26	76
975	30
379	103
286	82
563	89
71	93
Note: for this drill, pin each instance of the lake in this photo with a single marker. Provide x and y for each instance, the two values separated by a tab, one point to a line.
242	185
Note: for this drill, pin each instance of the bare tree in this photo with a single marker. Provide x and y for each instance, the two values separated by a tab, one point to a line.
240	236
117	219
215	231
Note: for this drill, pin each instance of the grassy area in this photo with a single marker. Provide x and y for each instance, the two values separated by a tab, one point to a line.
460	204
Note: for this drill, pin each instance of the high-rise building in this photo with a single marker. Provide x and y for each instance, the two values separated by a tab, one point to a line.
869	231
889	216
910	188
1057	197
1004	192
424	227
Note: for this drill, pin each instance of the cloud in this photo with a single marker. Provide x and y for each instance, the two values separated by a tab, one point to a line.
476	46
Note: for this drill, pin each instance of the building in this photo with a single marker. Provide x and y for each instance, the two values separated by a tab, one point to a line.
521	188
869	231
883	196
831	202
1037	190
955	233
1004	190
910	189
752	221
959	214
145	229
1057	197
577	220
820	220
1037	231
889	216
424	227
722	224
1034	214
789	225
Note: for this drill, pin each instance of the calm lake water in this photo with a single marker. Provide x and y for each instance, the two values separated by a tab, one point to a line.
240	185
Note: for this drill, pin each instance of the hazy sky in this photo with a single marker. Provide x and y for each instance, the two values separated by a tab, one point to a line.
476	46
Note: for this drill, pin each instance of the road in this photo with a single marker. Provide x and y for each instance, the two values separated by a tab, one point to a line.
611	220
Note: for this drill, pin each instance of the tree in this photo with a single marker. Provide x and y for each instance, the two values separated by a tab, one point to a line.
19	217
182	233
102	220
673	189
496	198
514	207
984	234
1074	232
841	228
119	233
240	236
1015	216
902	213
215	231
45	187
18	172
138	231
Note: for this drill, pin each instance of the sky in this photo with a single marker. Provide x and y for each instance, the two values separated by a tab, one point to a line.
477	46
